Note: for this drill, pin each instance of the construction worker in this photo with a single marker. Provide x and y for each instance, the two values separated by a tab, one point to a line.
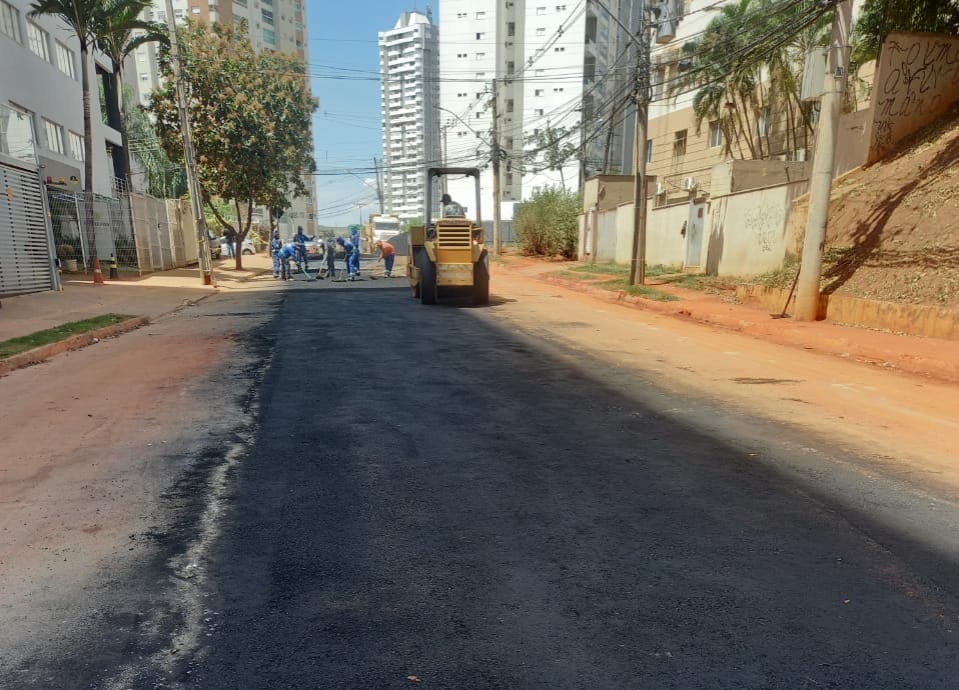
330	256
387	255
355	241
350	251
275	246
299	243
287	252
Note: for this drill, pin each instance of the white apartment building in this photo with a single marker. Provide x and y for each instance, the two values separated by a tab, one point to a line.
273	25
409	94
45	87
561	69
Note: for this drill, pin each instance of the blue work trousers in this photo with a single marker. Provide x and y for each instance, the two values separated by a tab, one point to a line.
353	263
276	264
301	257
388	263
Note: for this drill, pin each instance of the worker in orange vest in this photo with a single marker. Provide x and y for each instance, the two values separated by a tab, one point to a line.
387	255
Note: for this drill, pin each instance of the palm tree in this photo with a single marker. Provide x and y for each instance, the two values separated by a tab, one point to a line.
118	31
80	16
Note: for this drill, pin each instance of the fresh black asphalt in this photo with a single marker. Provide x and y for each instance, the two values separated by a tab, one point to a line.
428	499
431	499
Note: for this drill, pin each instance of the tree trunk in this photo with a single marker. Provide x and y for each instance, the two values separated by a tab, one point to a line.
91	230
125	143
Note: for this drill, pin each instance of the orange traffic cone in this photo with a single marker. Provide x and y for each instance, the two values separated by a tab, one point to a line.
97	273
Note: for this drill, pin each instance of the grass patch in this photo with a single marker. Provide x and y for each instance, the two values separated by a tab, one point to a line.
611	269
578	275
14	346
620	285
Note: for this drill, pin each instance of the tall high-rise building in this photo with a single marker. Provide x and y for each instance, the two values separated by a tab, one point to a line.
409	94
556	69
273	25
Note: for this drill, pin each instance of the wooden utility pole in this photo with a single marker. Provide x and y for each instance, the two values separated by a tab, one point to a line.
189	155
820	182
497	238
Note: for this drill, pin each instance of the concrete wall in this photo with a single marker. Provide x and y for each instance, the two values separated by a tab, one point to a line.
665	243
917	79
746	232
607	191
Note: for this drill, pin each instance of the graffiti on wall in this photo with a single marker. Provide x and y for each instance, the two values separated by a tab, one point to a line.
917	80
765	223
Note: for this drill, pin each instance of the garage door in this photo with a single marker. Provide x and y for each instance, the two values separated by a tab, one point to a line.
26	257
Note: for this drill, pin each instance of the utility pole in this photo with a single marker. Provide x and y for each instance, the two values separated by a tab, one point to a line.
637	266
379	183
497	237
820	183
189	155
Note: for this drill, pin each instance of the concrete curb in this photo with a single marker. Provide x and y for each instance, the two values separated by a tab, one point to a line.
74	342
927	364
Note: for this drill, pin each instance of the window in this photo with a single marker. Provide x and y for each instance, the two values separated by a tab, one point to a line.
65	60
679	143
509	105
480	35
76	146
510	67
195	10
269	36
540	10
715	134
461	55
540	30
461	15
561	8
649	150
267	16
538	92
241	3
559	49
558	89
10	21
510	28
38	41
462	94
538	112
481	15
481	56
479	115
54	134
481	75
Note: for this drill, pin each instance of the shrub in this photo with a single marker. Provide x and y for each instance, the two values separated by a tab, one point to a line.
547	224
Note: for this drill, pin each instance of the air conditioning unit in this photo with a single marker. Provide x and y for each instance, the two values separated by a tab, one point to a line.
660	189
689	184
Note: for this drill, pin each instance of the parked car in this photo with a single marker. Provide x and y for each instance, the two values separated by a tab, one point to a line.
247	247
314	247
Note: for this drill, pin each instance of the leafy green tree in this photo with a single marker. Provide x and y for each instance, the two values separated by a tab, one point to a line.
80	16
748	64
879	18
251	120
552	146
118	31
164	177
547	224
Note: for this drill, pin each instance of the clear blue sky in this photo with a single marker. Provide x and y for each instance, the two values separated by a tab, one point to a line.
344	64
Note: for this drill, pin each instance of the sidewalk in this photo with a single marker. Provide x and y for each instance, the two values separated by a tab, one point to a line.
930	357
151	296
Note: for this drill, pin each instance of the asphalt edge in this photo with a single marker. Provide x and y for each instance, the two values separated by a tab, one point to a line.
942	369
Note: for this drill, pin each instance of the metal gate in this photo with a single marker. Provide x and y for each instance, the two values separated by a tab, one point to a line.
27	260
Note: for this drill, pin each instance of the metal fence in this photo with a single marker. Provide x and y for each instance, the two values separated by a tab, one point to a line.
112	229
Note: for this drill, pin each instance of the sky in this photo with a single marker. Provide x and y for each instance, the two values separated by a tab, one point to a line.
344	64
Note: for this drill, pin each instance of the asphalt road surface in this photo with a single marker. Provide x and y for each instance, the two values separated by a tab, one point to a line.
423	497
